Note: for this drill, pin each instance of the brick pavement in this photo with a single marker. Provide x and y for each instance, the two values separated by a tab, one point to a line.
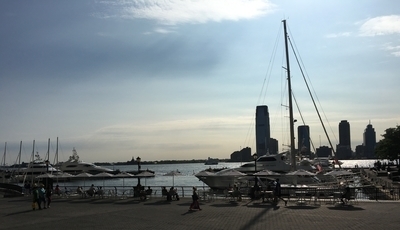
78	213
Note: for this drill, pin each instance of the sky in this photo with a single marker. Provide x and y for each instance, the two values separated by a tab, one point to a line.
180	80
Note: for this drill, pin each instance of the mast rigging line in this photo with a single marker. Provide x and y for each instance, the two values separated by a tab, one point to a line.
312	98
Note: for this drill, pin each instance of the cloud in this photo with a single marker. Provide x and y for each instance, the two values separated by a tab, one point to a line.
395	50
175	12
384	25
343	34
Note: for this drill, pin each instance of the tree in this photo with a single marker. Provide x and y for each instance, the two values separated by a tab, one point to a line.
389	146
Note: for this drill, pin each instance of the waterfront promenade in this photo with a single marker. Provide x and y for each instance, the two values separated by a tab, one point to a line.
156	213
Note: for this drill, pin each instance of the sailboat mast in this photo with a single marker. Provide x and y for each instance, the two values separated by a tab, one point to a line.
4	155
48	151
56	156
292	147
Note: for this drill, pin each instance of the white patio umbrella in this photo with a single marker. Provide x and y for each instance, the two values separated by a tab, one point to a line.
83	175
145	175
103	175
64	176
339	173
123	175
300	172
45	175
266	172
173	174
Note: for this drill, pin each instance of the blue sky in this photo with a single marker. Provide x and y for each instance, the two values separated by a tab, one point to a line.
181	79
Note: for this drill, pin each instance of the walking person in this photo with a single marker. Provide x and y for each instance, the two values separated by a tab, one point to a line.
35	197
278	192
195	200
48	196
42	194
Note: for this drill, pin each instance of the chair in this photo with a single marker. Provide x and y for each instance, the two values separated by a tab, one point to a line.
211	195
352	199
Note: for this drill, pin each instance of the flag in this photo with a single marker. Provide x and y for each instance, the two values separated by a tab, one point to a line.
336	161
319	168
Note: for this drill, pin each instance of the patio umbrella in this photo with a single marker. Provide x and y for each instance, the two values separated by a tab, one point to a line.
45	175
144	174
123	175
339	173
266	172
103	175
64	176
173	174
300	172
83	175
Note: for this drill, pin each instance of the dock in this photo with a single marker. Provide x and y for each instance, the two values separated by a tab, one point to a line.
156	213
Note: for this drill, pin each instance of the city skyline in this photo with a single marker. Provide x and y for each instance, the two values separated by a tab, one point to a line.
181	79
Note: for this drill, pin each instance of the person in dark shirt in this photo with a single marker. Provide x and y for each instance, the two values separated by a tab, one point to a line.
278	192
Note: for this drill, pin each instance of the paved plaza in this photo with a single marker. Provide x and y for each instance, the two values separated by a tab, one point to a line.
156	213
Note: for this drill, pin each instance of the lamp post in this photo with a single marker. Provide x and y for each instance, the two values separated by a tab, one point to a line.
138	163
47	171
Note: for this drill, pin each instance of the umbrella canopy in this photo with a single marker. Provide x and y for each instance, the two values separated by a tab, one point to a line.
173	174
301	172
84	175
339	173
145	174
103	175
64	175
266	172
46	175
123	175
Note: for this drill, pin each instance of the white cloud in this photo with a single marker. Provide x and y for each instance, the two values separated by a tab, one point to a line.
343	34
383	25
395	50
174	12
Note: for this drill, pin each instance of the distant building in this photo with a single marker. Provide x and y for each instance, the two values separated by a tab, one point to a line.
303	140
360	151
369	142
243	155
262	130
273	146
324	151
343	149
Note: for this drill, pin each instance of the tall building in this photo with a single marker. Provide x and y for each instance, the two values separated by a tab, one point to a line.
369	142
242	156
343	149
344	133
273	146
262	130
303	140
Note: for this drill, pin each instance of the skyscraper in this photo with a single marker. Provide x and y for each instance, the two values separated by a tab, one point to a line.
369	141
262	130
344	133
303	139
343	149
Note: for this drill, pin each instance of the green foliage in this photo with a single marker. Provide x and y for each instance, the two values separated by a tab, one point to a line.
389	146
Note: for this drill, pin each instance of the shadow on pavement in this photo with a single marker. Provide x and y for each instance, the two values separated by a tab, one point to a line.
346	208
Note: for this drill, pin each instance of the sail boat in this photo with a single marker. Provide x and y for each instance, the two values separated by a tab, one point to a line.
276	162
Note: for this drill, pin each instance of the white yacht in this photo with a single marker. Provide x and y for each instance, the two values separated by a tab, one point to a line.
75	166
276	163
39	166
